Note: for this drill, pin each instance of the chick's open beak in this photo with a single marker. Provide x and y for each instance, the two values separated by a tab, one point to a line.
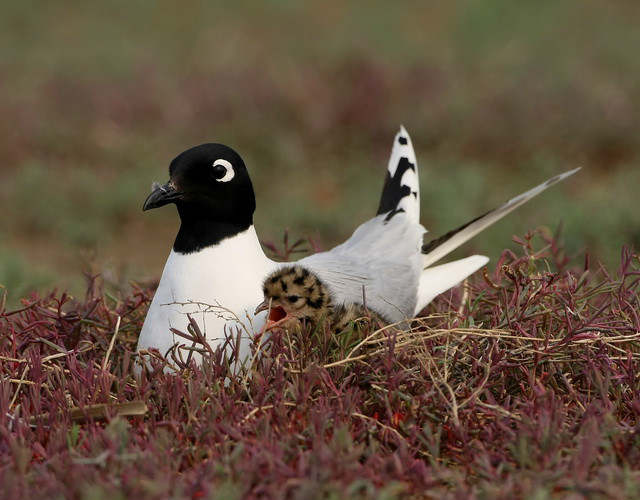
263	306
277	314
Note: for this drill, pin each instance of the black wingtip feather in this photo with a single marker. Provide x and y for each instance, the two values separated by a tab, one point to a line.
431	245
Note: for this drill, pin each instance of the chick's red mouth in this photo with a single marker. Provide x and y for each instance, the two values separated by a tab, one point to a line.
276	314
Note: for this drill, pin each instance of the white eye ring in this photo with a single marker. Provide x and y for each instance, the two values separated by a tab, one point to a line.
230	173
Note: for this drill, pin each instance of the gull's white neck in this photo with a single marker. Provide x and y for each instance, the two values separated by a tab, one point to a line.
208	285
234	263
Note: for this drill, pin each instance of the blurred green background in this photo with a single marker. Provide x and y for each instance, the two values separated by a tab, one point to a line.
96	98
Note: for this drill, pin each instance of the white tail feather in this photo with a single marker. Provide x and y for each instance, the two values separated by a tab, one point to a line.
439	279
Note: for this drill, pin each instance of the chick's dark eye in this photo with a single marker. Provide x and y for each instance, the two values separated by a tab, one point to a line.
219	171
293	298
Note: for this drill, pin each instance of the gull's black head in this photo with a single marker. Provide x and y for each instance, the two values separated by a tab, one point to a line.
211	188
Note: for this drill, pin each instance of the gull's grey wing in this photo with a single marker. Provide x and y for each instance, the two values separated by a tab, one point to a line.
382	257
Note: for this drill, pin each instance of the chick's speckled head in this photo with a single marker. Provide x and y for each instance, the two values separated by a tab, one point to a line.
294	294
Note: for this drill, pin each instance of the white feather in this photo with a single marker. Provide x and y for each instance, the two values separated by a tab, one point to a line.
438	279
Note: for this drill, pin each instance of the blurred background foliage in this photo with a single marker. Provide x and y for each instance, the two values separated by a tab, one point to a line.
96	98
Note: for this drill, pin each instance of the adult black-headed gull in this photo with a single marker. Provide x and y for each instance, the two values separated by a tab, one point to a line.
216	268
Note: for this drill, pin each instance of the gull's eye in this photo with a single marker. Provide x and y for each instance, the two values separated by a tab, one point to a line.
222	170
293	298
219	172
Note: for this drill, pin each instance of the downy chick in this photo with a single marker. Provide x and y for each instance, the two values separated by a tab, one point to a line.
294	294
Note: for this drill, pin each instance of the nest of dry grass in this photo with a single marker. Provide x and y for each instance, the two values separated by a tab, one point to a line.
521	384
